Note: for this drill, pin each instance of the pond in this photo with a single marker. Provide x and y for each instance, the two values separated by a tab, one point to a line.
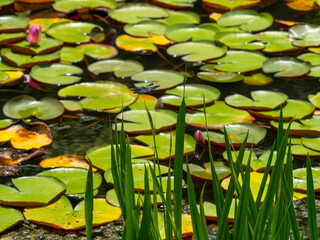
268	61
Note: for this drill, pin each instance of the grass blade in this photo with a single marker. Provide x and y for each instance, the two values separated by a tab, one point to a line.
88	202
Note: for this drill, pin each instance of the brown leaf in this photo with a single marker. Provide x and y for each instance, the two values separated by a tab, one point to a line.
10	157
66	161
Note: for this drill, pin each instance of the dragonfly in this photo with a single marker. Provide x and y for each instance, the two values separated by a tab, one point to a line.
146	89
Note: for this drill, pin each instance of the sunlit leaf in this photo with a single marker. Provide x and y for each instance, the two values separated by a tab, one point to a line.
77	161
9	217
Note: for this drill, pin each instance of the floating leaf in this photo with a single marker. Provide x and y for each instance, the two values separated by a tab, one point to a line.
46	23
70	54
248	20
195	95
205	173
143	101
137	122
218	115
166	150
210	74
74	179
158	77
211	213
261	100
257	79
10	77
27	61
293	109
100	96
70	5
186	226
56	74
312	58
145	28
62	215
133	44
10	156
174	4
301	5
240	61
120	68
4	123
182	32
77	161
311	142
25	106
98	51
32	191
315	99
10	24
11	37
301	152
100	156
197	51
276	42
134	13
231	4
180	17
71	106
9	217
300	179
237	132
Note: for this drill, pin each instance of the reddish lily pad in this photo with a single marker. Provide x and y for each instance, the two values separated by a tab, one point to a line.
120	68
218	115
74	179
98	51
237	132
195	95
10	24
137	122
97	96
32	191
205	173
286	67
100	156
210	74
197	51
293	109
9	217
27	61
240	61
158	77
261	100
77	161
300	179
56	74
134	13
62	215
25	106
166	150
70	5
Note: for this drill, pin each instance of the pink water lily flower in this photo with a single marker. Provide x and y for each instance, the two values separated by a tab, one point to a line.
200	138
34	34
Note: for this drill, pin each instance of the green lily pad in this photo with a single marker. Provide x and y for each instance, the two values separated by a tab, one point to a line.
158	77
311	142
32	191
4	123
293	109
180	17
164	148
309	40
62	215
44	46
300	31
133	44
300	179
312	58
71	106
11	37
10	24
210	211
6	3
248	20
257	164
56	74
309	126
314	71
120	68
209	74
70	5
25	106
315	99
100	96
72	32
240	61
261	100
3	77
218	115
195	95
27	61
4	66
134	13
145	28
182	32
143	101
237	132
276	42
138	171
46	23
74	178
174	4
137	122
10	78
100	156
9	217
239	40
301	152
98	51
286	67
205	173
257	79
71	54
197	51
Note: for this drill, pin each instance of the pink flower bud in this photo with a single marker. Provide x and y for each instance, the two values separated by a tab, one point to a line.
199	138
34	35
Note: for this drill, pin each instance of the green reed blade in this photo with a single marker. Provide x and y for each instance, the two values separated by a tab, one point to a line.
88	202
